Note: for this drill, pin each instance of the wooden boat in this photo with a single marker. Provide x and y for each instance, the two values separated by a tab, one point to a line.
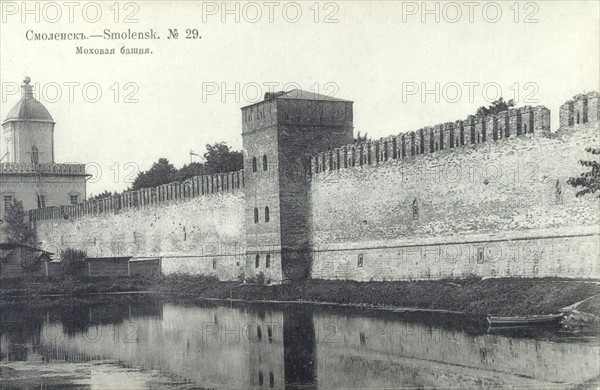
533	320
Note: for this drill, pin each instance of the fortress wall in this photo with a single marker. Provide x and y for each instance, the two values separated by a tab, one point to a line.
582	109
494	208
444	136
201	235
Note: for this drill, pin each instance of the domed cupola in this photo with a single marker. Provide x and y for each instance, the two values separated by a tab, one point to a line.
28	108
27	133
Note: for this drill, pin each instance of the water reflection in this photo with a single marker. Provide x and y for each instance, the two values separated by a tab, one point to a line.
292	347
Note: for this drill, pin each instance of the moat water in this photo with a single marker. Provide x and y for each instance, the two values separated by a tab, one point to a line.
139	342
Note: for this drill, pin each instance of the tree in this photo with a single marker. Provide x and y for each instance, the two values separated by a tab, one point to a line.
17	228
590	181
162	172
72	262
102	195
190	170
219	158
496	107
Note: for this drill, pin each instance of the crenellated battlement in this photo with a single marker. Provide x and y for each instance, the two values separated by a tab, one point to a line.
443	136
583	108
48	168
146	197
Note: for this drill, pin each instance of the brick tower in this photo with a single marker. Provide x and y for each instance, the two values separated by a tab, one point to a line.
279	134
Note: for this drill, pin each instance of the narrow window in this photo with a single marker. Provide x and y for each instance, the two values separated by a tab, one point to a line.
255	215
558	192
363	339
34	155
265	164
258	332
483	355
360	260
260	378
394	148
267	214
577	118
74	199
268	261
8	202
480	255
415	209
214	263
41	201
270	333
257	261
271	379
254	169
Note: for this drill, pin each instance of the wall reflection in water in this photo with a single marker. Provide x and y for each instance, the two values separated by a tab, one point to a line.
252	346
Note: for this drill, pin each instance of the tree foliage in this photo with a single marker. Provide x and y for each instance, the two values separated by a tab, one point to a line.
102	195
162	172
17	228
589	181
72	262
496	107
218	158
31	262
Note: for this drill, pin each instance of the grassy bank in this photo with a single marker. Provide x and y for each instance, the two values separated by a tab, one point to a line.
506	296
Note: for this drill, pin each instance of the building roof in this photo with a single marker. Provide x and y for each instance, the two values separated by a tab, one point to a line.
28	108
9	247
298	94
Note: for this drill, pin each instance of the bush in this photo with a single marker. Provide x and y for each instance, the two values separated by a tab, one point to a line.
72	262
241	277
31	263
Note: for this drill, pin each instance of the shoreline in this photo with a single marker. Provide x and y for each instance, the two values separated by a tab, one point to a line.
501	296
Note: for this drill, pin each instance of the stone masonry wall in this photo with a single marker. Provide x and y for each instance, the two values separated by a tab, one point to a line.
502	207
201	235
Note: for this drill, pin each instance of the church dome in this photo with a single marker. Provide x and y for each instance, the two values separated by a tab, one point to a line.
28	108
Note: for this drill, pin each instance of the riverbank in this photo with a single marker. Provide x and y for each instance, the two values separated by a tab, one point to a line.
503	296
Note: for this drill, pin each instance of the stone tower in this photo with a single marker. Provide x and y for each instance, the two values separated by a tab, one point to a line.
28	172
279	134
28	131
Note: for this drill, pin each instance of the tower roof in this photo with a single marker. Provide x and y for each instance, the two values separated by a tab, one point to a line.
28	108
298	94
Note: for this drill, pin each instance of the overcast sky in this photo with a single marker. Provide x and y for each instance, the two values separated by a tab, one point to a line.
372	54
